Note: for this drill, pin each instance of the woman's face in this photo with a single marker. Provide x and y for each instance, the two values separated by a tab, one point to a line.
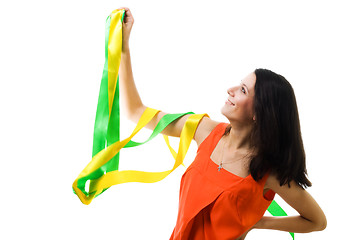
239	105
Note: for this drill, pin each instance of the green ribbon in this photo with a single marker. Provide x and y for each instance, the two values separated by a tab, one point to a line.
275	210
106	129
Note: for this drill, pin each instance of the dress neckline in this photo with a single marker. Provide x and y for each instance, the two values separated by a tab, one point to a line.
225	170
221	129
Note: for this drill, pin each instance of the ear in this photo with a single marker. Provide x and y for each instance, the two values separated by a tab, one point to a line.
254	117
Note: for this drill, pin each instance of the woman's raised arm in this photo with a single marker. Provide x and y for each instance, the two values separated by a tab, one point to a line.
130	98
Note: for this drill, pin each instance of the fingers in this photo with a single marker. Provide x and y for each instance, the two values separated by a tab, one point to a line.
126	8
127	11
128	16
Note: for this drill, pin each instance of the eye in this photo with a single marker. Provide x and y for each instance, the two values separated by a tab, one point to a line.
243	89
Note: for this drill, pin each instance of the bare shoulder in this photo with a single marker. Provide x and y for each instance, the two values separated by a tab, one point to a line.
204	128
273	183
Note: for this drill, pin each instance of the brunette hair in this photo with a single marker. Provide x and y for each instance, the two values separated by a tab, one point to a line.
276	133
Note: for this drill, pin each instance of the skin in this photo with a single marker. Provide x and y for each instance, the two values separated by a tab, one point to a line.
238	109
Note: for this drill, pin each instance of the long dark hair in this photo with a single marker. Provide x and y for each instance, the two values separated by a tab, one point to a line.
276	133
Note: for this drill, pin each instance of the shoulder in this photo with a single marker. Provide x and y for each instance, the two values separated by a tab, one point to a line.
205	127
273	183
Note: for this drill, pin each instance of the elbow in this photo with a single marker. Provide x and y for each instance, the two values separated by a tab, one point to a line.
135	113
315	225
321	224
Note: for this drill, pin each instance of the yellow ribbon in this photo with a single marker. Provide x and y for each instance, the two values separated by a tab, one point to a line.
114	53
117	177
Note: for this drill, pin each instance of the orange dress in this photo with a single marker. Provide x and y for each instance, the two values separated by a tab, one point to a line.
217	205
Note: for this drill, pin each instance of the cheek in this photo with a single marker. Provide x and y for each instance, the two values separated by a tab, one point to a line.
251	108
246	107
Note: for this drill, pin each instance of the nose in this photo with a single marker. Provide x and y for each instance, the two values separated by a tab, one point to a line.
230	91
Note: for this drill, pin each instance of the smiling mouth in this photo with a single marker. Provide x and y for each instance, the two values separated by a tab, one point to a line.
229	102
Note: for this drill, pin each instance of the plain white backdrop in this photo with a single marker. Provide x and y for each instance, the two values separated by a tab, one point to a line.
185	54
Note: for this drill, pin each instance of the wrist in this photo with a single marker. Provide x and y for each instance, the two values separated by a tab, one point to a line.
261	223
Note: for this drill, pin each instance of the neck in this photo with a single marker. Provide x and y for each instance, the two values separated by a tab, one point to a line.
239	137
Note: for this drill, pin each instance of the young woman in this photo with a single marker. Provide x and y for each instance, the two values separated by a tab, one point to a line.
239	165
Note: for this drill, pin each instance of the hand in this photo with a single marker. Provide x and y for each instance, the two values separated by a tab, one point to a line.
127	25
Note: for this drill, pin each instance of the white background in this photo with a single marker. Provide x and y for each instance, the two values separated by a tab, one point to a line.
185	54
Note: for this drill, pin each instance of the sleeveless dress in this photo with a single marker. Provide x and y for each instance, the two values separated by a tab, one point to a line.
217	205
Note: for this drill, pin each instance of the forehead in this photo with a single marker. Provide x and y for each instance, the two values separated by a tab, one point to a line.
249	81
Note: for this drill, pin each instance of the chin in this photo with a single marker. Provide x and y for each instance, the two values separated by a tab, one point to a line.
224	112
234	116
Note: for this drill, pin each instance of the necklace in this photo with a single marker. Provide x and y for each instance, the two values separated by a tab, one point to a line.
222	154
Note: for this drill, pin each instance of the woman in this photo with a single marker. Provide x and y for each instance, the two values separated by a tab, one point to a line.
239	166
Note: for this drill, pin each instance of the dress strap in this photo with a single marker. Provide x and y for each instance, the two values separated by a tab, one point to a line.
270	194
213	138
216	134
262	181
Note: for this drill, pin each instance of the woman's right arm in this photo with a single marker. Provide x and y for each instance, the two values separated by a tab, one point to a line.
130	98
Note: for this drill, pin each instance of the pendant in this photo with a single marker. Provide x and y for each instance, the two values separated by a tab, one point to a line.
220	167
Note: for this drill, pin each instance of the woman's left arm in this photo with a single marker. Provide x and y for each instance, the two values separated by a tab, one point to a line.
311	217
